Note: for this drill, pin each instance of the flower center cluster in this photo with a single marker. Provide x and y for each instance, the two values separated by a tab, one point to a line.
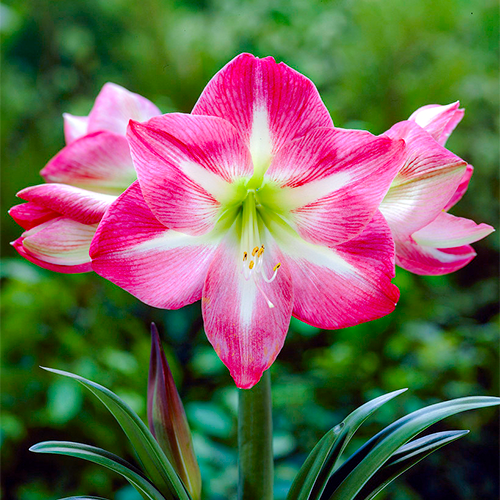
253	250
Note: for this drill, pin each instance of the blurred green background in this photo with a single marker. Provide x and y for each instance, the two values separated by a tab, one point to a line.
374	63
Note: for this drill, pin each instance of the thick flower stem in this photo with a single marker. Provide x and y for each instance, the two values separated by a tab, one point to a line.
255	435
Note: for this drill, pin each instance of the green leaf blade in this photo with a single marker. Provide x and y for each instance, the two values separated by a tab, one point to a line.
405	458
104	458
84	497
150	455
319	465
349	479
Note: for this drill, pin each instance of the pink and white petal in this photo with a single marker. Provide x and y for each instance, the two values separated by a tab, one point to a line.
86	267
60	245
86	207
74	127
246	321
270	104
186	166
115	106
100	162
334	180
432	261
448	231
462	188
426	183
30	214
439	121
161	267
343	285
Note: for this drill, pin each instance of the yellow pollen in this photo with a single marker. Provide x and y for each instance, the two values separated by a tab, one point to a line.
254	251
251	264
245	256
277	266
261	251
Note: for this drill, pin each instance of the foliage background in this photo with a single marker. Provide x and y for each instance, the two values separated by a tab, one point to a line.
374	63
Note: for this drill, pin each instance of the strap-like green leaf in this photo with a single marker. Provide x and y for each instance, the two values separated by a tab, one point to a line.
151	456
348	480
319	465
104	458
83	498
404	458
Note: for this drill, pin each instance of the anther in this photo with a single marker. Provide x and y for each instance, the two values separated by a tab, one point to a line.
251	264
277	266
261	251
254	251
245	256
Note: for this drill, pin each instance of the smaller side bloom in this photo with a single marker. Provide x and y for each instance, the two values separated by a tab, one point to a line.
439	121
84	178
431	180
167	419
60	222
113	108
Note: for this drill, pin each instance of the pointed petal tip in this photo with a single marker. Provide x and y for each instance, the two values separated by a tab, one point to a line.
246	381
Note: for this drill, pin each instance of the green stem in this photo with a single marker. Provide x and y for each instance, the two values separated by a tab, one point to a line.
255	442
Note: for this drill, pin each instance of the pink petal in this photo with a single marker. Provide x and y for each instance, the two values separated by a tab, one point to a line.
344	285
115	106
432	261
29	215
270	104
75	203
334	180
185	165
99	162
425	184
74	127
244	330
60	245
462	188
448	231
163	268
439	121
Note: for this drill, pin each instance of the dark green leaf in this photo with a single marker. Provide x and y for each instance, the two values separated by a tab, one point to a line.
104	458
319	465
348	480
151	456
404	458
83	498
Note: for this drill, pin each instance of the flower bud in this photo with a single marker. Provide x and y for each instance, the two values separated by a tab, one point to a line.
167	419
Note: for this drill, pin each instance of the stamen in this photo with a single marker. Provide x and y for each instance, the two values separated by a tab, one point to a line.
261	251
245	256
251	264
254	251
273	277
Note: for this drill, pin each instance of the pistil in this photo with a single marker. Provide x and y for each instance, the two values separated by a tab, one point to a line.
251	245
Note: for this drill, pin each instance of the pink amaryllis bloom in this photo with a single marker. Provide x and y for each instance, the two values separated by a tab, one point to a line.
84	178
256	205
428	239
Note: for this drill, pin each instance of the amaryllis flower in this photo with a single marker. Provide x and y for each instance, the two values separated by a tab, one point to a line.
432	179
84	178
256	205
